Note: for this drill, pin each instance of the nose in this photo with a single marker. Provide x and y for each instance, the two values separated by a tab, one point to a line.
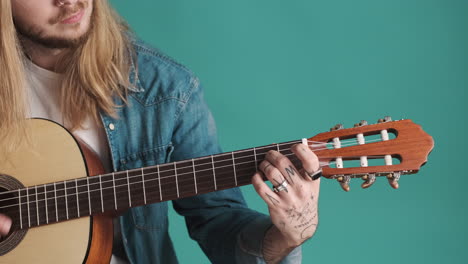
65	2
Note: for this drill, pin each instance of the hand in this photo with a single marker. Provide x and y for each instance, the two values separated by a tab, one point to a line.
5	225
293	212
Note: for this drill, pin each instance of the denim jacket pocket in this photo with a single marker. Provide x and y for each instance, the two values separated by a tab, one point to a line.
158	155
151	216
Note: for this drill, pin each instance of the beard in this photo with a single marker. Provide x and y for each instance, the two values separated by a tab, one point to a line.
37	35
52	42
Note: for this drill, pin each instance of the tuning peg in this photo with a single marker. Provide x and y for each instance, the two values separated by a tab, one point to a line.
362	123
344	182
369	179
337	127
385	119
393	179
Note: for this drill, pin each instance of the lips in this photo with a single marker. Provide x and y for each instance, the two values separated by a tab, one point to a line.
75	18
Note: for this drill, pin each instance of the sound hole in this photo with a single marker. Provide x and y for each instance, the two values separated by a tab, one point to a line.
9	206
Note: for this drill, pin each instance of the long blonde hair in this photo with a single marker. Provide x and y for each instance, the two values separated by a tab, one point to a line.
96	71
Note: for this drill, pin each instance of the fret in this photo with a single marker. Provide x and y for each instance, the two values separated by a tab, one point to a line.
176	180
224	169
33	206
66	198
185	178
261	152
72	210
89	196
234	167
41	206
136	188
81	196
19	205
109	192
144	186
61	201
214	173
255	157
27	202
37	205
46	206
115	195
152	190
244	167
77	199
287	149
159	182
56	208
277	148
24	210
95	195
128	188
102	198
194	176
50	202
168	185
204	170
121	189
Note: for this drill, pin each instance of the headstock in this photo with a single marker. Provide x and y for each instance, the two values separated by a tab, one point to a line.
410	147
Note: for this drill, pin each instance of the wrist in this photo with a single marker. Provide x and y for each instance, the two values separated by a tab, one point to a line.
276	246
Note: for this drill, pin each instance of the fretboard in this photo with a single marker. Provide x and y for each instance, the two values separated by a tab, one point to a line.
61	201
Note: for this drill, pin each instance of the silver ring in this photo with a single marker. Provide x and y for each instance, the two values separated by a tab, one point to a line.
281	187
315	175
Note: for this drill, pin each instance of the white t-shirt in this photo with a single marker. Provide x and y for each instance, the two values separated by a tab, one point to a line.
44	91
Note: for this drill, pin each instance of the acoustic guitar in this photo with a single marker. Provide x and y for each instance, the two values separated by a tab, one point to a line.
60	201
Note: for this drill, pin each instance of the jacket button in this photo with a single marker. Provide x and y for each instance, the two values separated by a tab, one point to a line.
111	126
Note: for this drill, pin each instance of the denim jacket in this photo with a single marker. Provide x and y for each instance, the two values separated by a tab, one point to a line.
165	120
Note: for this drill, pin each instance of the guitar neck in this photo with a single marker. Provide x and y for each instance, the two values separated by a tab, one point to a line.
60	201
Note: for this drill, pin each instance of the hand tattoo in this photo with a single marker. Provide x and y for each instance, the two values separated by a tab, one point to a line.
272	199
291	172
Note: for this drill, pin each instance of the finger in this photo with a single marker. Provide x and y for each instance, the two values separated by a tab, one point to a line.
284	165
271	198
271	173
5	224
309	160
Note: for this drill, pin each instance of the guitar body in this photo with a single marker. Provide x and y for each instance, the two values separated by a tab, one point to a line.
55	155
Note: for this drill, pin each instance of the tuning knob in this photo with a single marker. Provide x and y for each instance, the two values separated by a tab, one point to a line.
385	119
337	127
344	182
362	123
369	179
393	179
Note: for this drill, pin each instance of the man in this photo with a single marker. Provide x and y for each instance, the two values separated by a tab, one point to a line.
75	62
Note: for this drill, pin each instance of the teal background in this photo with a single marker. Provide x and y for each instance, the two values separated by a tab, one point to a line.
281	70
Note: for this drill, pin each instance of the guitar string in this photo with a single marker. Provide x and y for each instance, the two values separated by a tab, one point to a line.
209	163
125	192
209	177
195	159
74	208
347	144
164	171
200	179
